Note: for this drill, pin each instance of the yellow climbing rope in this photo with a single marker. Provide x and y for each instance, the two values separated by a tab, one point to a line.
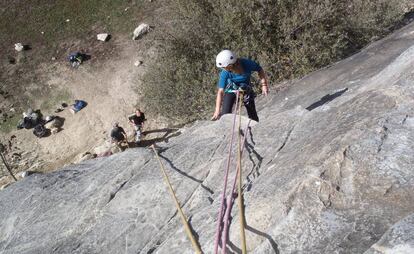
183	218
240	193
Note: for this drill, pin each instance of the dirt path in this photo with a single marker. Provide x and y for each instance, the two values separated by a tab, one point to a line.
110	89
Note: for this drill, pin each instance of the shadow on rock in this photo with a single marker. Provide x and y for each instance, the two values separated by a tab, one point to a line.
268	237
169	133
185	174
325	99
255	171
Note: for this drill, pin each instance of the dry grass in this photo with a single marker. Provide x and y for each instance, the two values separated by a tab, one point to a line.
289	39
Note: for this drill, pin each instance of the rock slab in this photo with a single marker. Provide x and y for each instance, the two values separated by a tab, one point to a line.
330	170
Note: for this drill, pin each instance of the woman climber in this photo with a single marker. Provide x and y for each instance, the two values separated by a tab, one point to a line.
235	76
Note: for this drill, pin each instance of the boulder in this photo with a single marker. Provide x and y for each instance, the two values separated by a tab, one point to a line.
27	173
19	47
140	31
108	148
84	157
103	37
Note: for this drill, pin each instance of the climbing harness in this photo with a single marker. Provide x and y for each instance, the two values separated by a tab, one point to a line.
183	218
232	87
223	223
248	93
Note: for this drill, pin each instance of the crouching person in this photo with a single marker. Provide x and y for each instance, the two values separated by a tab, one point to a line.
118	135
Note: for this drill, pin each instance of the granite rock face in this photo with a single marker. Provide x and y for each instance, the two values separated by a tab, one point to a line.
398	239
329	169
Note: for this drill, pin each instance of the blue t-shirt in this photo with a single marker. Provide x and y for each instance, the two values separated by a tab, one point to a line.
248	66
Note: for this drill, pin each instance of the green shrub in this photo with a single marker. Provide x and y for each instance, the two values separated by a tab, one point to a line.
289	38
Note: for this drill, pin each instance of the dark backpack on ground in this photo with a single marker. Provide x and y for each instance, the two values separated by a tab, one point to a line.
25	123
28	123
76	56
40	131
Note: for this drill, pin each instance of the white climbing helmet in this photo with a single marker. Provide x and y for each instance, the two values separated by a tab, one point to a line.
225	58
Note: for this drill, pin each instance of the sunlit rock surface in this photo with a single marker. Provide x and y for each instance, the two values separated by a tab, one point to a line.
329	169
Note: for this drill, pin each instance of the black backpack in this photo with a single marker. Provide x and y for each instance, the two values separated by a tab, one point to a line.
27	123
40	131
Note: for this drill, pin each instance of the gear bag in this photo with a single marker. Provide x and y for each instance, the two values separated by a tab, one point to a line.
40	131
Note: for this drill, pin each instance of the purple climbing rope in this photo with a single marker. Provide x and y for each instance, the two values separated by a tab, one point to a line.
230	200
223	197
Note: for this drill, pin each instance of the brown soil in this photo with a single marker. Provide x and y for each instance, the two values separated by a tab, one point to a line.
109	82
